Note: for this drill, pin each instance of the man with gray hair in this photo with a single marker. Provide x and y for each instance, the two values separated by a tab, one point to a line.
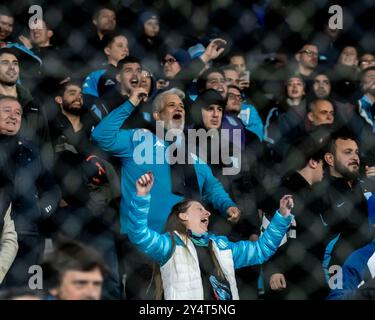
166	101
142	151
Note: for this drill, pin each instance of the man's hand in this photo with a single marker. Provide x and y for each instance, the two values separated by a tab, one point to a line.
234	214
63	203
25	41
277	282
286	204
138	95
370	171
244	81
144	184
213	50
254	237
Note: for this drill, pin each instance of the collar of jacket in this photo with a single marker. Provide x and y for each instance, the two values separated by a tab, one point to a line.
366	103
296	181
24	95
339	181
200	240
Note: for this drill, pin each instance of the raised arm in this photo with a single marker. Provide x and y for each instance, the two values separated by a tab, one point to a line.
157	246
247	253
108	134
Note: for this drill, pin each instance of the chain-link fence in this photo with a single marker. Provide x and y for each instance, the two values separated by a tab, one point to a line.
299	65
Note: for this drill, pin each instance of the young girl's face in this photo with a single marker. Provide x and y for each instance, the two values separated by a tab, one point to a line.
196	218
295	88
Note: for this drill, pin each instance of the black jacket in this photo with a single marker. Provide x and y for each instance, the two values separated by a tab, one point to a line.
345	210
74	172
300	257
34	193
34	125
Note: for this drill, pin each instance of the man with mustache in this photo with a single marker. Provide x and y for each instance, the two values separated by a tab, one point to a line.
344	205
321	87
174	181
88	183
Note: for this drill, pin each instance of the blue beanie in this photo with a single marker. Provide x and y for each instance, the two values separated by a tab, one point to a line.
147	15
182	56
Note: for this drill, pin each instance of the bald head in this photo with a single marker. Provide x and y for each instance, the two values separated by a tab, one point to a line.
321	111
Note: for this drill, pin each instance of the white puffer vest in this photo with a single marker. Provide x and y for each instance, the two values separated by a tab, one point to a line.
181	274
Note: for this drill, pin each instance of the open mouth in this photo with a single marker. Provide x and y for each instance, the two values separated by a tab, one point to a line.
177	116
354	164
205	221
76	103
134	82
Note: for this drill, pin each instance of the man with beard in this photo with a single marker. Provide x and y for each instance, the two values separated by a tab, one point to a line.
89	184
307	61
321	87
34	120
344	205
141	151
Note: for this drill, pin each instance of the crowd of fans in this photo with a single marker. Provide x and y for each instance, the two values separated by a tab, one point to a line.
284	109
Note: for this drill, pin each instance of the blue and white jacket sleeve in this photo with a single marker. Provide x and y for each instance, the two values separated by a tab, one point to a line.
246	253
108	134
157	246
212	189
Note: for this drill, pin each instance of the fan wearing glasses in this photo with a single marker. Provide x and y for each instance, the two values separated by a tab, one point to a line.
307	60
177	64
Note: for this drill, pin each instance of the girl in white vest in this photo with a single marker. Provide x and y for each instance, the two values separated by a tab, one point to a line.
195	264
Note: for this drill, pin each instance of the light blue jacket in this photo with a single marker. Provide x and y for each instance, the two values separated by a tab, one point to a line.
251	119
159	246
90	84
140	151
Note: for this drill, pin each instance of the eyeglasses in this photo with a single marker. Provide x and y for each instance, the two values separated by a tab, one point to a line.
366	62
233	96
169	61
146	74
310	53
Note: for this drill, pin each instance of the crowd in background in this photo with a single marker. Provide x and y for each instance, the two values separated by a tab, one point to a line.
291	99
